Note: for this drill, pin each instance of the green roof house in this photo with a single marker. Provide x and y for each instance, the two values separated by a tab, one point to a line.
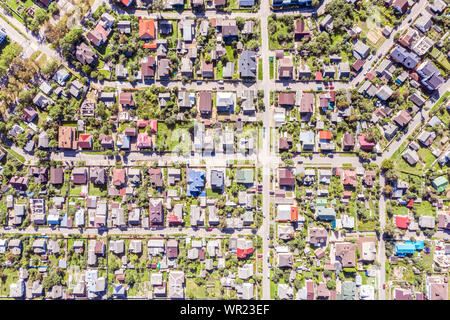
245	176
440	183
326	214
348	290
321	202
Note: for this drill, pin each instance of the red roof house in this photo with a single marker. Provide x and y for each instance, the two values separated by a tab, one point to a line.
85	141
349	178
410	203
144	141
154	126
325	135
364	144
294	213
402	222
244	248
318	76
147	29
142	123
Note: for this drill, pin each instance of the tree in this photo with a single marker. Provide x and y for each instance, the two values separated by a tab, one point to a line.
331	284
50	67
158	5
390	230
53	8
387	164
391	175
70	39
388	189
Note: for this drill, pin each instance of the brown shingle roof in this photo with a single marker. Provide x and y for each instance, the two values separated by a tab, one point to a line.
205	101
285	98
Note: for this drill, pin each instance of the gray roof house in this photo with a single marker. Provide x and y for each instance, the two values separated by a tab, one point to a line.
247	64
343	70
417	99
42	101
284	260
228	70
124	26
361	50
384	93
427	222
43	140
408	59
121	71
411	157
217	180
186	67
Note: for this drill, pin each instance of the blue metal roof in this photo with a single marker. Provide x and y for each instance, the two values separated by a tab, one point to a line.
196	182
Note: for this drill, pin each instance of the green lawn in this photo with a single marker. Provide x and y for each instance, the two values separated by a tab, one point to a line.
440	58
219	70
212	193
400	210
402	165
172	138
97	190
439	103
199	292
271	68
260	69
425	209
15	154
366	226
230	53
426	156
75	191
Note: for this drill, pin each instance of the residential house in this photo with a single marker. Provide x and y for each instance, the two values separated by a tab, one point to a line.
348	141
345	254
207	69
147	29
156	217
205	103
402	118
66	138
79	176
85	55
327	23
408	59
400	6
56	176
307	140
360	50
247	64
285	68
299	32
148	67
